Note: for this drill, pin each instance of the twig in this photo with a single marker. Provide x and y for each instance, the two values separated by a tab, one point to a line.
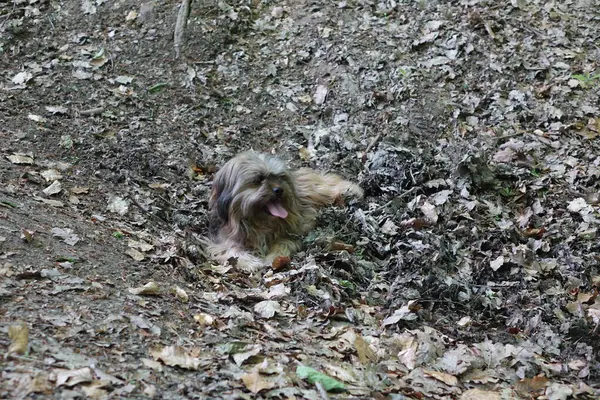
322	391
182	16
9	14
154	216
92	111
373	143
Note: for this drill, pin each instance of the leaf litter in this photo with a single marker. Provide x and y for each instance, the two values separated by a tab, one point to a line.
467	272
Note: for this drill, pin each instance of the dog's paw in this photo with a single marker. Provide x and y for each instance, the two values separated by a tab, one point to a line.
250	264
354	192
351	193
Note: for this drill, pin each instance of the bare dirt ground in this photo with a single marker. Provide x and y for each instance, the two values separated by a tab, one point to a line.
469	271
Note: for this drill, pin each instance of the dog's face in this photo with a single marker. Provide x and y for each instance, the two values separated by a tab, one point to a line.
253	187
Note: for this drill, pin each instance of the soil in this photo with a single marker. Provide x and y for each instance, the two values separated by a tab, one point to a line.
469	269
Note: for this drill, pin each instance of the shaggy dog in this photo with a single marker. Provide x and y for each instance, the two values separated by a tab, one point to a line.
259	209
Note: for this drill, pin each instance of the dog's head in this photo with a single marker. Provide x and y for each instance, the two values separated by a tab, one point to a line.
252	187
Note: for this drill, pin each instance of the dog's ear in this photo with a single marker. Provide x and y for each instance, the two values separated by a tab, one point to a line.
222	205
219	203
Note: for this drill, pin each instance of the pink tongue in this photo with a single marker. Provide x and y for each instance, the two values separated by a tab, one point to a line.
277	210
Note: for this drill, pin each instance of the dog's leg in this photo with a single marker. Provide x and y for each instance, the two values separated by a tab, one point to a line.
283	248
324	189
223	252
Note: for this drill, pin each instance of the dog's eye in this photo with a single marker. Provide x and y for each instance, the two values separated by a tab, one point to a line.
259	179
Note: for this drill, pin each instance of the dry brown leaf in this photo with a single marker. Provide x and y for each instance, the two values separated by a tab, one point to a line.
341	246
448	379
267	308
40	384
140	245
20	159
175	356
80	190
149	289
255	383
71	378
54	188
531	385
204	319
19	336
136	255
366	355
180	294
478	394
280	262
95	390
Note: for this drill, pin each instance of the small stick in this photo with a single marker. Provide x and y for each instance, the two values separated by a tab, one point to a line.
180	24
92	111
322	391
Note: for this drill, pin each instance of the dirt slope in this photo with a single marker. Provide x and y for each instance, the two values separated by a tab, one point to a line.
469	271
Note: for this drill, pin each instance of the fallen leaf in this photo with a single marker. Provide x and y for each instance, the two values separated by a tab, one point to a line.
430	212
54	188
20	159
313	376
336	245
267	308
50	202
21	78
155	365
505	155
180	294
241	357
136	255
27	235
280	262
140	245
66	235
80	190
149	289
19	337
558	391
81	74
125	80
95	391
320	94
403	313
176	356
448	379
88	7
254	382
366	355
71	378
577	205
36	118
277	291
389	228
497	263
478	394
57	109
531	385
131	15
204	319
51	175
118	205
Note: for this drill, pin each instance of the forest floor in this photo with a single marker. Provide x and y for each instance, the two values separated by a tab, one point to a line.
469	271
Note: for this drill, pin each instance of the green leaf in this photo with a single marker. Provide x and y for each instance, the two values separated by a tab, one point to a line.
347	284
99	54
157	87
313	376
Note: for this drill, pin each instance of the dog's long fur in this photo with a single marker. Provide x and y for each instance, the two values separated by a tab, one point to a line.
243	200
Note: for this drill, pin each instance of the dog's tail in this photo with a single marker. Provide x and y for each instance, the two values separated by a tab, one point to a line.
319	190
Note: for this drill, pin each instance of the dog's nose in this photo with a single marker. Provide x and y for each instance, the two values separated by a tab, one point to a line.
278	191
